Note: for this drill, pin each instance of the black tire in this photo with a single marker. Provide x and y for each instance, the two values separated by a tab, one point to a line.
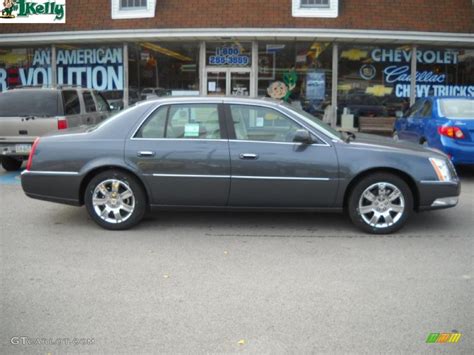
11	164
138	196
369	181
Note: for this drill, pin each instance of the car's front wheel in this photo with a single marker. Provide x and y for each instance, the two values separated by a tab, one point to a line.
11	164
115	200
380	203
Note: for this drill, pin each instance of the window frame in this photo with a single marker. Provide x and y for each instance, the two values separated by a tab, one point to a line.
330	11
89	92
118	12
64	102
168	107
318	141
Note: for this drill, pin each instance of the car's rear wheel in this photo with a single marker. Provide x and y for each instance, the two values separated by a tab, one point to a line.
380	203
11	164
115	200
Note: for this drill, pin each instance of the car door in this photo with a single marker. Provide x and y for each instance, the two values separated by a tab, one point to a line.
268	169
182	152
103	109
72	108
90	116
422	120
409	133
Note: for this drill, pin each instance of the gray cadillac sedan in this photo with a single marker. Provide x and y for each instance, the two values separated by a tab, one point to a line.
236	153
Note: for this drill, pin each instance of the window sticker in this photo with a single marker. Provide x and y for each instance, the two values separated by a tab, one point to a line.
260	122
191	130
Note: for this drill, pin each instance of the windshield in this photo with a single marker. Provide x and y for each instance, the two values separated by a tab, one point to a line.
325	128
461	108
22	103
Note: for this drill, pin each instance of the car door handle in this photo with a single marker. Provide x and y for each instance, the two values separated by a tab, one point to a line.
248	156
146	154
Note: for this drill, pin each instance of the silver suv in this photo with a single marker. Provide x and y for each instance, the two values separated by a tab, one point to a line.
26	113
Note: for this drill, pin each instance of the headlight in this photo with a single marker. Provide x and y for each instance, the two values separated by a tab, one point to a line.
441	169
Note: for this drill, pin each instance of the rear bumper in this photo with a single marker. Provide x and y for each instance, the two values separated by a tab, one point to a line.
54	186
436	195
461	154
10	149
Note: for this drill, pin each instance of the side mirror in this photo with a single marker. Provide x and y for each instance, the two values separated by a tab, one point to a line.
399	114
302	136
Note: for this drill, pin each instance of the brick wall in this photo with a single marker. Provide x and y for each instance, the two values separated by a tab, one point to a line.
403	15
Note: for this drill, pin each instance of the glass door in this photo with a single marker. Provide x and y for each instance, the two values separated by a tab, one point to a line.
239	83
228	81
216	83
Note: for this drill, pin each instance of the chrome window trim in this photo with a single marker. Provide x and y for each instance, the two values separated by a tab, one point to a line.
39	172
228	101
270	142
181	139
276	108
171	102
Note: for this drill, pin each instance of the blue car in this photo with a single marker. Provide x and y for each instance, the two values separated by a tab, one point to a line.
444	123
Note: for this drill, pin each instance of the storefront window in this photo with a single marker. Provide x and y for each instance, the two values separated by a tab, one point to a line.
229	54
298	72
445	72
374	81
94	67
164	69
24	67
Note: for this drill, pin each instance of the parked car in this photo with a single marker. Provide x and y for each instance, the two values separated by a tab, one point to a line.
26	113
236	153
444	123
115	98
361	105
154	93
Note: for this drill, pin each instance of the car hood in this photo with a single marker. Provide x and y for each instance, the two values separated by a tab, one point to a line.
389	144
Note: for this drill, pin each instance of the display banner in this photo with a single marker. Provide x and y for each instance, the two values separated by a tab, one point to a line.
95	68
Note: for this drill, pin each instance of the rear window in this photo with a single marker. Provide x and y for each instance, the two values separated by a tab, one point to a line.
39	103
459	108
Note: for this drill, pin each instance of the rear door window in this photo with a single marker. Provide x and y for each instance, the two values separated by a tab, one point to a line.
89	102
37	103
72	105
188	121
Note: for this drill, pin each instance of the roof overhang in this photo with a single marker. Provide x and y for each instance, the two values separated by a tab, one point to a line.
273	34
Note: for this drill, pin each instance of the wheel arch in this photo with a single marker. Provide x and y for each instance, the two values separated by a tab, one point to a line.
401	174
95	171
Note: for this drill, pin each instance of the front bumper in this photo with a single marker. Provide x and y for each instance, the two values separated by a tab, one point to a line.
435	195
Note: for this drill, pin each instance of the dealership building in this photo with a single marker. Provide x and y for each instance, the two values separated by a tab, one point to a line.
371	58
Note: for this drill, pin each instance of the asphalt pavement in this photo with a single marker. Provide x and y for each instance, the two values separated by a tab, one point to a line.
224	282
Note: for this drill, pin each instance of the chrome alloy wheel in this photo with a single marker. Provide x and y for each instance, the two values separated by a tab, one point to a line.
381	205
113	201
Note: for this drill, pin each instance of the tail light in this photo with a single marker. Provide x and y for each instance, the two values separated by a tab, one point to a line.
30	157
451	132
62	123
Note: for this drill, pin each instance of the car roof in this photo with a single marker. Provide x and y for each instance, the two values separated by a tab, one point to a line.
213	99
